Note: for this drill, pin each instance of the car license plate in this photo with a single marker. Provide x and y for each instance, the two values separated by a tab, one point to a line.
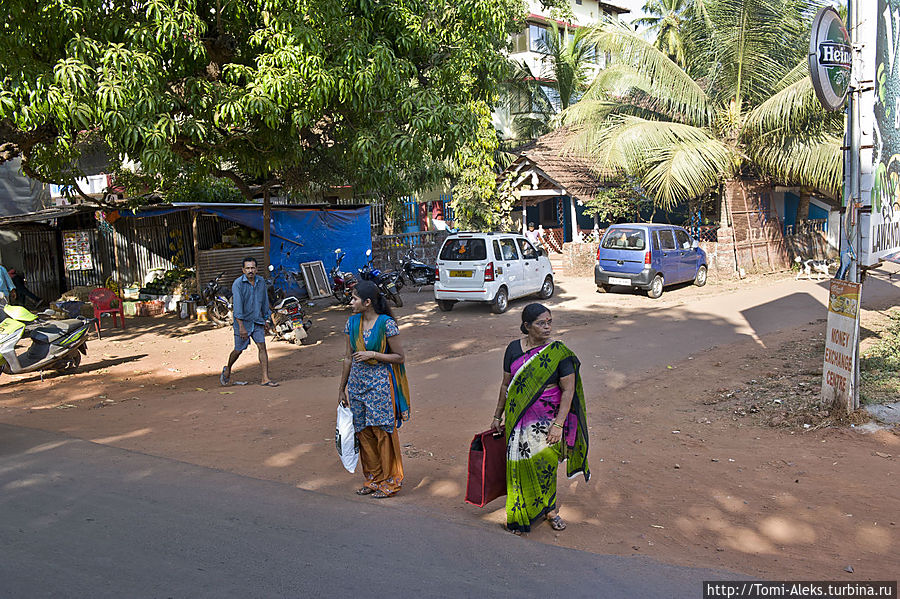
461	273
618	281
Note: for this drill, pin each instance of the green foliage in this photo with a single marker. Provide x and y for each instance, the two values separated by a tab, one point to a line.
880	364
741	105
566	70
624	201
296	92
478	204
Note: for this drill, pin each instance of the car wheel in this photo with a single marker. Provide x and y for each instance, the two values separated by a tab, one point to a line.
501	301
547	288
445	305
603	288
700	279
656	287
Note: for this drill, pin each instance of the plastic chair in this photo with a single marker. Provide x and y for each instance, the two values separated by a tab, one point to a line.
103	299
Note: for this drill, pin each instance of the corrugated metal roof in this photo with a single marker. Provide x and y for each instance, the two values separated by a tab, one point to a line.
46	214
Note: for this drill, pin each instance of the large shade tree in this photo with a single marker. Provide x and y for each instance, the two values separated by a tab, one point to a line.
743	108
379	94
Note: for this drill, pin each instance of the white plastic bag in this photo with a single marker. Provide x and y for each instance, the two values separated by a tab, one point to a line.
345	438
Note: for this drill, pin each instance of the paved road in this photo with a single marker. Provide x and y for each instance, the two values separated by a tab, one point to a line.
84	520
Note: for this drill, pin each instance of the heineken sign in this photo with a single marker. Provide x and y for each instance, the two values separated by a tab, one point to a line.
830	59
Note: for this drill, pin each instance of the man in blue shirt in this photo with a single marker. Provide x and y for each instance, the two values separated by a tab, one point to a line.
251	311
7	287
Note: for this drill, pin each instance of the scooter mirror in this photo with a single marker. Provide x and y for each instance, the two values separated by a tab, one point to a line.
271	268
368	252
337	251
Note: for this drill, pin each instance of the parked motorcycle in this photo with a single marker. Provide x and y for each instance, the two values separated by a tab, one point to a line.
341	282
386	281
416	273
218	301
291	323
57	344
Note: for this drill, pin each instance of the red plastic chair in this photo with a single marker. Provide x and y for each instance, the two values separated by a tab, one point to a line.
106	302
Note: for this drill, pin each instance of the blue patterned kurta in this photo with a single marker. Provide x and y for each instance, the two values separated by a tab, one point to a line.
369	388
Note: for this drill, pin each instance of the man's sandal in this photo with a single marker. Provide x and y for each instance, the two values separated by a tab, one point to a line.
556	523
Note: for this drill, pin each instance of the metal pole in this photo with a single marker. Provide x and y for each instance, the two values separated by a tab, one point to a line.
853	229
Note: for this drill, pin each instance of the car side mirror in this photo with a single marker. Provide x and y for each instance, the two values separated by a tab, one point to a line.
540	252
695	244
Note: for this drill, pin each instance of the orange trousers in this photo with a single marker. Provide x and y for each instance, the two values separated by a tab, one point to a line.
379	454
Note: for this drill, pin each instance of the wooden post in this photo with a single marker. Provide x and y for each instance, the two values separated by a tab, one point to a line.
196	235
115	240
267	242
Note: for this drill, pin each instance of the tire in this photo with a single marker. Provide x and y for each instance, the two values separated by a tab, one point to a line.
603	288
656	287
547	288
218	313
70	363
445	305
501	301
700	278
398	301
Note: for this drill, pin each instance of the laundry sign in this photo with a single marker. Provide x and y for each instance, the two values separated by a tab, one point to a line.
840	343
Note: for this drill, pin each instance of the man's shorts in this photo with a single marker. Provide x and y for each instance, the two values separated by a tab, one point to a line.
258	334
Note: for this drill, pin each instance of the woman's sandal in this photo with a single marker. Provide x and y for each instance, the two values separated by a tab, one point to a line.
556	523
381	494
365	491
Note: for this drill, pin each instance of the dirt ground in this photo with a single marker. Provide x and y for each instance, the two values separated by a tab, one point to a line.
685	470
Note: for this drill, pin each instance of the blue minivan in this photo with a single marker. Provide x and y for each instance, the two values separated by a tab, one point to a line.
648	256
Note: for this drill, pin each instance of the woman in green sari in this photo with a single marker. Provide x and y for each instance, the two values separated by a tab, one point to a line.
541	412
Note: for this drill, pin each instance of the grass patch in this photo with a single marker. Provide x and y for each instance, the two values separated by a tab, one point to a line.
880	364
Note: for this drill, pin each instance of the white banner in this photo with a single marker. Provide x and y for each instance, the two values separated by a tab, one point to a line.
840	344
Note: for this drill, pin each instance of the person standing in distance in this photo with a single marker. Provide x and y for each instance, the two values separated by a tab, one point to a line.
251	311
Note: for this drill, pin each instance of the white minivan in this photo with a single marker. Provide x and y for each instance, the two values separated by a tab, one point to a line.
490	267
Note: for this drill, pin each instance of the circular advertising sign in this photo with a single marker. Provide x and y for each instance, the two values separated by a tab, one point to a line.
830	58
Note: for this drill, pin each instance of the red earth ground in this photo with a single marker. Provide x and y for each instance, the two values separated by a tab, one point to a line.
677	475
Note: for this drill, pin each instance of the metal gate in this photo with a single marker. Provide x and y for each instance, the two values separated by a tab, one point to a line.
757	233
42	262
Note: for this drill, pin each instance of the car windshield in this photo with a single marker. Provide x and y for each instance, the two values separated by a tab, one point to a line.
624	239
464	249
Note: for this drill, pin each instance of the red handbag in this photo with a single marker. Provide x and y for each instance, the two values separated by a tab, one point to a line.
487	469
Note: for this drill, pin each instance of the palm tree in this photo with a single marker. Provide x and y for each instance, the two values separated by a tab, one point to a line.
666	21
744	107
561	81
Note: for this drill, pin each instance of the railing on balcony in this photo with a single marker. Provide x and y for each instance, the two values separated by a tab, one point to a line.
807	226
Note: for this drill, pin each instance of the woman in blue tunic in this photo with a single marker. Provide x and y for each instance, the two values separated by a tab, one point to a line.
374	385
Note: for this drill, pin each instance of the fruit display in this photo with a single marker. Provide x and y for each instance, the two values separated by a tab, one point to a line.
178	281
239	236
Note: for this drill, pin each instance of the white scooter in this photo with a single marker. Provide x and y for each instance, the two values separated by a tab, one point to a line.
56	344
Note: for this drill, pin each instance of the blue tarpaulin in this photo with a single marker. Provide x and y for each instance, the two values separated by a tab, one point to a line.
308	235
297	234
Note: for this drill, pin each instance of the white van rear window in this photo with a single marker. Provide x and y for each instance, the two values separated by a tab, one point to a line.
464	250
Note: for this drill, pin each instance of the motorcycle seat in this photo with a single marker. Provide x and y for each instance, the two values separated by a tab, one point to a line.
50	332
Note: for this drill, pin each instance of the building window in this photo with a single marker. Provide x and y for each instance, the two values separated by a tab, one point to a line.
519	42
578	2
552	95
538	36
